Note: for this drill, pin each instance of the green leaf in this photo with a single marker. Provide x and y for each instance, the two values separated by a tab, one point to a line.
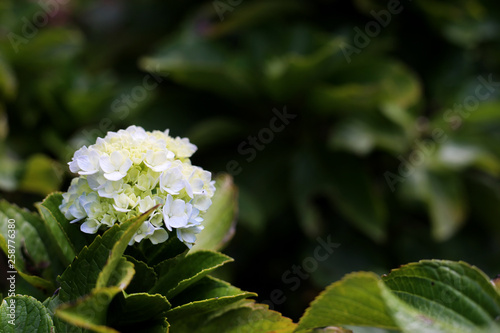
354	300
175	275
428	296
67	237
52	304
90	311
247	316
153	254
144	278
453	296
94	265
25	314
26	245
206	295
220	219
127	309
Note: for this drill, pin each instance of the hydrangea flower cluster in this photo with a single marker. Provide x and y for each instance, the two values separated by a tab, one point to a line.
130	171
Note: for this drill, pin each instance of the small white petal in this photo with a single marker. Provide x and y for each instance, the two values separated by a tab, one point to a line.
90	226
114	176
178	221
160	235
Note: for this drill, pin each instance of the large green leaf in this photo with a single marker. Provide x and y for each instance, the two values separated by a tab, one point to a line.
207	295
67	237
246	316
175	275
61	325
128	309
153	254
144	278
220	219
94	265
90	311
24	314
428	296
26	247
354	300
452	295
98	273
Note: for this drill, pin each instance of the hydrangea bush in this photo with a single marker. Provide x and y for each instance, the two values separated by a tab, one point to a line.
131	171
134	185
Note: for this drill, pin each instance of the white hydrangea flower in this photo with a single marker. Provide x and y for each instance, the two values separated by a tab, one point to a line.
116	165
188	235
128	172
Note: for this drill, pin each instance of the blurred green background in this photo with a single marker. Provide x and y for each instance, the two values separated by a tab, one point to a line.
391	147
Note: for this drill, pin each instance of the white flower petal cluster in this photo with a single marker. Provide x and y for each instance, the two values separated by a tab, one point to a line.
131	171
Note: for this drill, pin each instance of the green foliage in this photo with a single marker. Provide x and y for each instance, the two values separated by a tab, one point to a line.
24	314
394	151
428	296
104	290
68	238
26	246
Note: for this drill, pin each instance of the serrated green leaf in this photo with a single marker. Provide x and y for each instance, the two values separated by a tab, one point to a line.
94	265
153	254
26	244
115	256
90	311
25	314
66	236
144	278
220	219
52	304
175	275
249	317
128	309
354	300
428	296
206	295
451	296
